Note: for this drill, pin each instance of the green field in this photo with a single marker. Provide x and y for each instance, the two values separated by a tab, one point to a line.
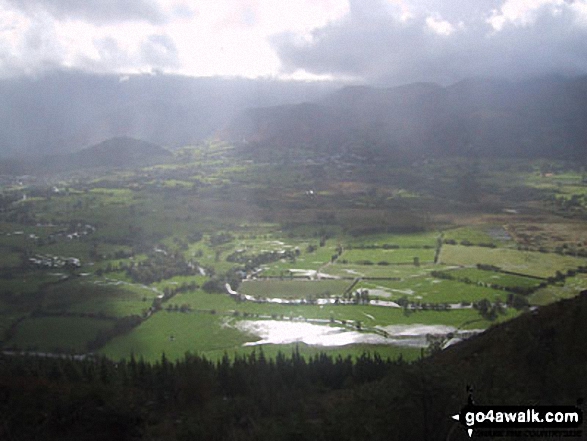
493	277
57	334
255	224
222	304
9	258
88	297
571	287
308	262
174	334
428	239
490	234
294	289
28	283
431	290
523	262
376	271
393	256
212	335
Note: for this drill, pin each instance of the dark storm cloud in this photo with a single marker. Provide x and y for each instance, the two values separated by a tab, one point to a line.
375	44
95	11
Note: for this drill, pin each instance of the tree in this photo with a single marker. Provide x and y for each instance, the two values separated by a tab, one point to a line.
364	296
483	307
213	286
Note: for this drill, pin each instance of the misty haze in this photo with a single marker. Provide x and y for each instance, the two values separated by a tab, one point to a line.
335	219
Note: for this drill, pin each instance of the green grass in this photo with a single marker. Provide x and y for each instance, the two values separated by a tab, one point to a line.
11	227
263	244
111	308
175	333
9	258
293	289
282	268
552	293
306	261
401	240
200	300
7	318
431	290
478	235
493	277
383	271
177	281
196	333
175	183
115	195
570	190
68	248
523	262
52	334
87	297
28	282
149	208
382	316
15	241
401	255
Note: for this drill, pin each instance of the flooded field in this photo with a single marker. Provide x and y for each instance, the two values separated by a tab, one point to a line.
284	332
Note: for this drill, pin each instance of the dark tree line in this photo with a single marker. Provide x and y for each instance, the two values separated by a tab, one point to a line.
251	262
49	398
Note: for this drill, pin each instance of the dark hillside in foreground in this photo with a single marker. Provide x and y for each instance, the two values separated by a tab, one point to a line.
481	117
539	358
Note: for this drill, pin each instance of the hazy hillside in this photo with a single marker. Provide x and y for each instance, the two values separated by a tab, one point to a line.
112	153
66	111
543	117
117	152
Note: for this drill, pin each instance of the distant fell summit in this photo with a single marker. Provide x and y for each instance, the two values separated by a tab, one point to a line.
119	152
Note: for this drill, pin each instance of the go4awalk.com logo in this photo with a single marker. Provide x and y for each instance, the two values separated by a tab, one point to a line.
521	421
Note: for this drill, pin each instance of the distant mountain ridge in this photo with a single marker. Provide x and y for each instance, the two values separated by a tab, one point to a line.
118	152
63	111
487	117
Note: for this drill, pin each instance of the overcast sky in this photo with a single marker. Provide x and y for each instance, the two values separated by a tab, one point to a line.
373	41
